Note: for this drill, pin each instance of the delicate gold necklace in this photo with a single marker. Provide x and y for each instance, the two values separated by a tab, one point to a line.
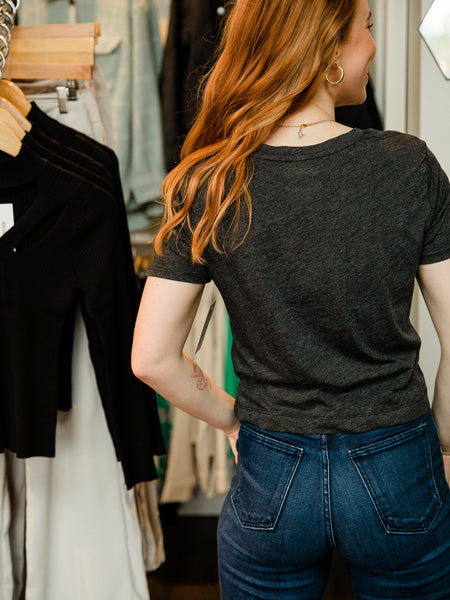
302	126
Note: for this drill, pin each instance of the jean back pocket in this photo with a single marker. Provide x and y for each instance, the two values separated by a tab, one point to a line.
264	474
398	475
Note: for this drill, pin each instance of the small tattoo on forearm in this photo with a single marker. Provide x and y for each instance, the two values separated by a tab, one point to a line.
197	373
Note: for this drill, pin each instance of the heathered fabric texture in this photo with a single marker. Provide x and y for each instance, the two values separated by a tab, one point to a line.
319	293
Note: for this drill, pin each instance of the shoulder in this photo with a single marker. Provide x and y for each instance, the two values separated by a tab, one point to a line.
396	152
402	144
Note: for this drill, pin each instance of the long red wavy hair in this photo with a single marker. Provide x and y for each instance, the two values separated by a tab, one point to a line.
272	59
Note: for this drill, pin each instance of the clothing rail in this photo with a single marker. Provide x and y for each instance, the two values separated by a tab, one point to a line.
8	10
52	51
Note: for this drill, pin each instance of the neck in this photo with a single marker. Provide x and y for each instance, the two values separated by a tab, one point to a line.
301	118
321	107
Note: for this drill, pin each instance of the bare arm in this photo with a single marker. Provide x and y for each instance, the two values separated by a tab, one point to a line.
165	317
434	281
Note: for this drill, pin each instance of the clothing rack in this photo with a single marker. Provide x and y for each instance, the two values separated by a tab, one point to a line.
8	11
52	51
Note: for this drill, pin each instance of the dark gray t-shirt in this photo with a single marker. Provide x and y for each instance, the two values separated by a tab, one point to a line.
319	293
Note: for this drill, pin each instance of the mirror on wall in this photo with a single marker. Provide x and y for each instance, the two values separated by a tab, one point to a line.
435	31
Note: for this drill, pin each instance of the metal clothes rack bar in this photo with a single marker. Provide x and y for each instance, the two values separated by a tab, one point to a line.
8	10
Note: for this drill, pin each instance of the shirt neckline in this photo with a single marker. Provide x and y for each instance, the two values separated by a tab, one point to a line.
296	153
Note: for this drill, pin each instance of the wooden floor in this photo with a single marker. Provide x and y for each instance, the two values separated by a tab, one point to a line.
190	570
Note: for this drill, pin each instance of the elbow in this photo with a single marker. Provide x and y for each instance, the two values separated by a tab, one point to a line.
149	367
143	370
139	370
143	366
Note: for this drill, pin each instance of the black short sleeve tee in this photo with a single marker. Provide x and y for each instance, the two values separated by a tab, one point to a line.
436	238
320	291
176	263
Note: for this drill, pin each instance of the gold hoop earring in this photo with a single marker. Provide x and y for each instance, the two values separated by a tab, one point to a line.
341	78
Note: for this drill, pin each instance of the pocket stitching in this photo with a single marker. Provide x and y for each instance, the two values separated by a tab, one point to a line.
278	508
270	442
390	442
381	445
295	452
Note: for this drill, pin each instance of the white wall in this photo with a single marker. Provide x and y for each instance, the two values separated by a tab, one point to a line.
390	19
435	130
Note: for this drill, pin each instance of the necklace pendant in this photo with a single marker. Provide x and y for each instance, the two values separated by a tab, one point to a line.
300	130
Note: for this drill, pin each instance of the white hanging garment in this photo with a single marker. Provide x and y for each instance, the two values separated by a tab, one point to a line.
6	571
82	533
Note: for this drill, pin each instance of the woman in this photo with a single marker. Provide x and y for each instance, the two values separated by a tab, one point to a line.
314	234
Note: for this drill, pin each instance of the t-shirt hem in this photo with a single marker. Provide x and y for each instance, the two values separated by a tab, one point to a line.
332	424
166	274
435	257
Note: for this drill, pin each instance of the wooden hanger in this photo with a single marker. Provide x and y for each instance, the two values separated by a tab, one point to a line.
12	92
23	122
41	52
7	118
52	51
9	142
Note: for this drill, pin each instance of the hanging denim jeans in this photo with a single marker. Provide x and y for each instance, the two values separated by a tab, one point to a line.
380	497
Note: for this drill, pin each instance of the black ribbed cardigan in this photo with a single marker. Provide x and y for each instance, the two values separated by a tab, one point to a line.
67	247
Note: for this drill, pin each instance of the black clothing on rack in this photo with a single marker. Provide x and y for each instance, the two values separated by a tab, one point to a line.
68	246
194	29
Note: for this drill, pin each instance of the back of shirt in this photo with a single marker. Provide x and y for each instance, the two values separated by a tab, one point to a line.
319	293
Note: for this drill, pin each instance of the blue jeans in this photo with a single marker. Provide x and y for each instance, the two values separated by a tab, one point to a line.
380	497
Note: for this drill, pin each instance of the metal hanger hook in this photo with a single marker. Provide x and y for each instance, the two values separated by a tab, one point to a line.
12	5
3	62
4	51
5	43
6	14
7	30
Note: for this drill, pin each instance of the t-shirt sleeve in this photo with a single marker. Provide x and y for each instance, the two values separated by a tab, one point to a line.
436	241
175	263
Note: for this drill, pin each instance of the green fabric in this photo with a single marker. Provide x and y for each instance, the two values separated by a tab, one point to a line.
231	379
166	428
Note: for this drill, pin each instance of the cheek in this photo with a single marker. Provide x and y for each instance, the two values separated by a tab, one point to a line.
353	89
363	57
372	48
363	50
